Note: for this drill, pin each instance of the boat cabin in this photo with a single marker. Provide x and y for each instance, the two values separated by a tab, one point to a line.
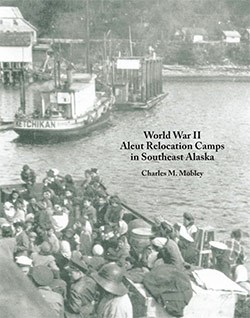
136	79
74	99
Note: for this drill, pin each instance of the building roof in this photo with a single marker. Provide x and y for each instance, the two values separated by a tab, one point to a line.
15	39
10	13
19	25
234	34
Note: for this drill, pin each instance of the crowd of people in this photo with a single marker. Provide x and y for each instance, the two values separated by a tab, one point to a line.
73	241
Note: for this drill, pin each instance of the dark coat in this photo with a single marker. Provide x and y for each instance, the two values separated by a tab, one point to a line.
80	298
22	243
170	287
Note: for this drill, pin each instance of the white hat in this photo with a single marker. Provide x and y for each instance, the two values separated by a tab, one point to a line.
29	217
97	250
65	249
123	227
56	172
8	205
241	274
159	241
185	235
23	260
218	245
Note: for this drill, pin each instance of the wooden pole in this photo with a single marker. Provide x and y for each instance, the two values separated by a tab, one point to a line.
143	80
87	37
55	70
130	42
22	90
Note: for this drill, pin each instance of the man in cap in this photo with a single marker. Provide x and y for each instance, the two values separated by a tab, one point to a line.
170	253
80	302
150	253
114	300
188	222
186	246
221	260
42	277
29	177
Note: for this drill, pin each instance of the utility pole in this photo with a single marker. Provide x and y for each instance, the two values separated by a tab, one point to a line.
130	42
87	37
22	89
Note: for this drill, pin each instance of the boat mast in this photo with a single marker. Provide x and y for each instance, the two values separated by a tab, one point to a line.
130	41
22	89
87	37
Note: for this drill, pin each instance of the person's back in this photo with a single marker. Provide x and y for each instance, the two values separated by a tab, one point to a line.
171	254
115	307
81	297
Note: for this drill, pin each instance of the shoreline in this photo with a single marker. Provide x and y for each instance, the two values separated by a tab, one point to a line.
206	73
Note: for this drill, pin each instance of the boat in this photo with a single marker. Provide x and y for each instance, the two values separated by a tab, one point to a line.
137	82
220	291
6	124
70	109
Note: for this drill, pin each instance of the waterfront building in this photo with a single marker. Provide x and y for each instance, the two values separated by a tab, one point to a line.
17	37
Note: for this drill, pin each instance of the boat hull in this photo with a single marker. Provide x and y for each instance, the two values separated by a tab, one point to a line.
141	105
51	133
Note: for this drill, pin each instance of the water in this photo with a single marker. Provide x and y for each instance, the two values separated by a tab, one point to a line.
220	110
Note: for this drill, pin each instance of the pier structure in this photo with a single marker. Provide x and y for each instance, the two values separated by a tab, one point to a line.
17	37
137	79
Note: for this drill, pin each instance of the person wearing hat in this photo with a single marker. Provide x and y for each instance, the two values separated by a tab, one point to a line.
22	239
24	263
42	277
81	295
119	252
114	300
96	261
14	196
28	176
186	246
170	253
220	255
114	212
150	252
188	222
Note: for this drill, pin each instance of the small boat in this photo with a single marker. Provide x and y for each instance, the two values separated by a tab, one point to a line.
137	82
71	109
6	124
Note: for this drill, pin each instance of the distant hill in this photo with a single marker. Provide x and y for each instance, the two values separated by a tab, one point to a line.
153	22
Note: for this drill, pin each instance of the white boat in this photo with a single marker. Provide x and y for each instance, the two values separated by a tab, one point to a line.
72	109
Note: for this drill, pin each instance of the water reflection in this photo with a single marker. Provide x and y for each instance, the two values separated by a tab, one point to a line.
220	198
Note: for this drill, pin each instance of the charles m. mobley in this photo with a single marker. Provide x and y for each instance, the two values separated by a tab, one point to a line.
172	173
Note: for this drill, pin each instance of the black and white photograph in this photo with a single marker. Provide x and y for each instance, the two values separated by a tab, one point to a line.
124	158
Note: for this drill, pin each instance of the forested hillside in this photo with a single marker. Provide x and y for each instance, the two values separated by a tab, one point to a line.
152	22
